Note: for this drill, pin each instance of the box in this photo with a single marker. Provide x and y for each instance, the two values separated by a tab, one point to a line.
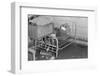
37	31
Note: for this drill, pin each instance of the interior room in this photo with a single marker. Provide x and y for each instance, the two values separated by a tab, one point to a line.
52	37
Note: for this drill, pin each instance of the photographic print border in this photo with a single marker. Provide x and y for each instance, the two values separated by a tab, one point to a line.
16	53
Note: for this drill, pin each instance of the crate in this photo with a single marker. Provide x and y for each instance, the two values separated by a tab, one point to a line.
38	31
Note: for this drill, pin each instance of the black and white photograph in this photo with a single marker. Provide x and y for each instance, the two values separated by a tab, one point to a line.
52	39
55	37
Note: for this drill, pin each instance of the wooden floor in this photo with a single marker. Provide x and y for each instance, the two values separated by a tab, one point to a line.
73	51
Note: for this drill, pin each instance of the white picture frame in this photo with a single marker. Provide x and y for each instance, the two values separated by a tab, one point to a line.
19	63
